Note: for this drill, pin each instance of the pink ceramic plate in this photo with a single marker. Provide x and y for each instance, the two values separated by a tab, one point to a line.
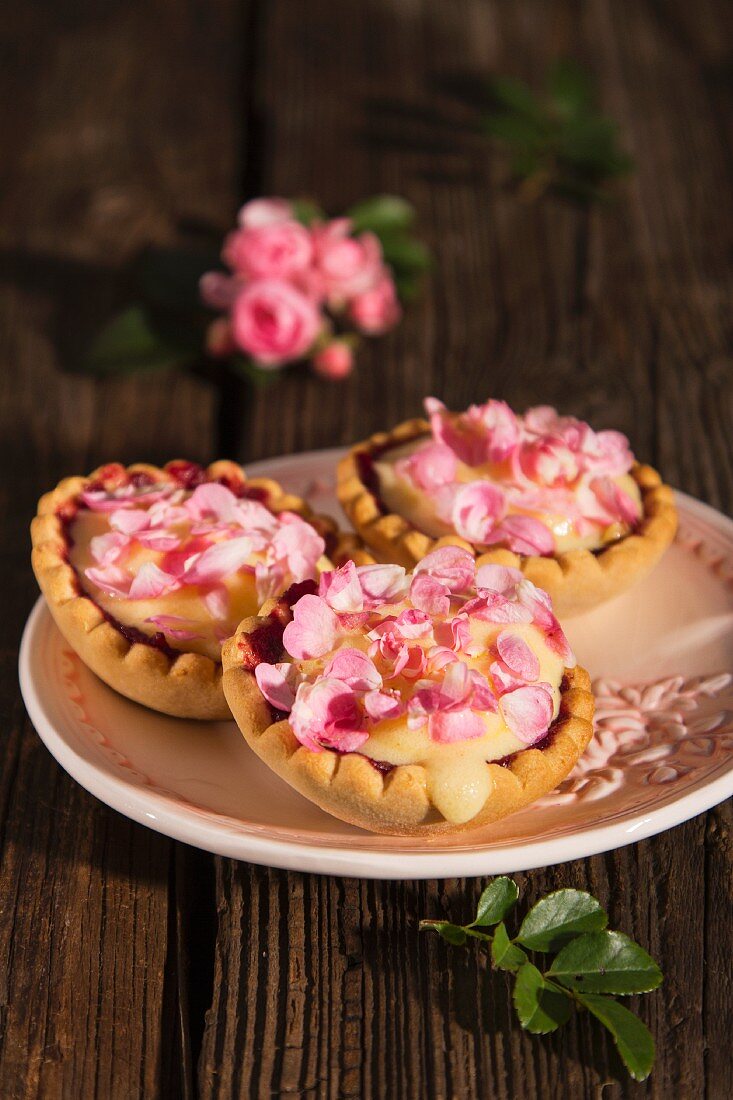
660	656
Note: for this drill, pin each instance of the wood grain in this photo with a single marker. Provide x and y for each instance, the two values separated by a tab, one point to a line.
136	967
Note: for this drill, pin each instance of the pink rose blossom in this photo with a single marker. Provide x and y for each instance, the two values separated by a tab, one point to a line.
259	212
219	290
376	310
276	250
274	322
335	361
346	265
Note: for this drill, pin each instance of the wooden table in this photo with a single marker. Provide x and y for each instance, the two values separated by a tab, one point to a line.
136	966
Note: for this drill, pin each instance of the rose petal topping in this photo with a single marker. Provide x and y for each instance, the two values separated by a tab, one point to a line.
517	655
527	712
314	629
278	683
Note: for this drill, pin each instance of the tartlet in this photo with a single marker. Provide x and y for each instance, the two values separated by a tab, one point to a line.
146	571
569	507
420	704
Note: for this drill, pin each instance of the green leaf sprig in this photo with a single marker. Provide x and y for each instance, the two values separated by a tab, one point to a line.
557	139
592	965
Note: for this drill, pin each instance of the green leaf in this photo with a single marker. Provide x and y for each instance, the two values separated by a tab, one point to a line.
515	97
248	369
570	87
540	1008
632	1037
406	255
605	962
504	954
559	917
307	211
382	214
496	901
452	933
130	343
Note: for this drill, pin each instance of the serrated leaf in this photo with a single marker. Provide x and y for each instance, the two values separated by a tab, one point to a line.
504	954
452	933
558	917
632	1037
382	214
605	962
130	343
307	211
540	1008
496	901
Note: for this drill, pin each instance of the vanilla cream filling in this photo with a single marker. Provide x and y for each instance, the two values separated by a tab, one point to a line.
405	499
186	603
457	776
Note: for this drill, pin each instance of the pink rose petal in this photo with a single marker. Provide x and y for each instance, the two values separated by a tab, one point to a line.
341	589
518	656
451	565
523	535
106	549
314	629
111	579
354	668
429	595
477	508
382	584
430	467
217	602
150	582
169	624
498	578
219	561
129	520
383	705
278	683
212	500
527	712
326	714
448	727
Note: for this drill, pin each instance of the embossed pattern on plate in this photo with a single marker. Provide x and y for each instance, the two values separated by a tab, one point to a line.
660	657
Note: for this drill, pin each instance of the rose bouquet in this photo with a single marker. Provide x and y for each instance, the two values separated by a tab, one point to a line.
288	284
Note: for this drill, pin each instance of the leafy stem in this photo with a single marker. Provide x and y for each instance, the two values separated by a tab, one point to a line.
592	964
